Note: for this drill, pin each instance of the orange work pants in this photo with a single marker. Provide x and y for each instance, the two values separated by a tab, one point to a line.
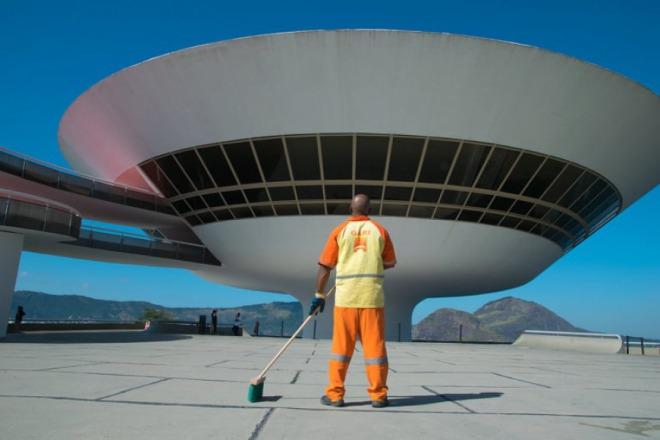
369	325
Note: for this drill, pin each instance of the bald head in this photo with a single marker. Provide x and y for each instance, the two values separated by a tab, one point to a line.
360	205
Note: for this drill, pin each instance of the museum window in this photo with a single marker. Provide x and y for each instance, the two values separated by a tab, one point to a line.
234	197
256	195
394	210
522	172
193	220
196	203
309	192
175	174
181	206
491	218
421	211
303	154
468	164
337	153
437	161
272	159
404	158
312	209
217	165
510	222
195	170
563	182
370	157
398	193
242	160
242	212
281	193
576	190
526	225
548	172
158	179
538	211
427	195
521	208
450	197
589	196
206	217
596	205
468	215
478	200
213	200
499	164
286	209
445	213
263	211
338	192
223	214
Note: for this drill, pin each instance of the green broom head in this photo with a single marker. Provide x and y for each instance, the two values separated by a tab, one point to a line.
256	389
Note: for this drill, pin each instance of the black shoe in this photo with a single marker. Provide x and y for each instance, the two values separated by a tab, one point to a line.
325	400
382	403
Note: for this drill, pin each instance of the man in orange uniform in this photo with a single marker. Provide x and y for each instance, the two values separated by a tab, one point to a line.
361	250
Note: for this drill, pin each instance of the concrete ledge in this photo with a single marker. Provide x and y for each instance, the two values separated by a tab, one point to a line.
582	342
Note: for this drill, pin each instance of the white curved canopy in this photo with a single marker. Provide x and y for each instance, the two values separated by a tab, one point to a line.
370	81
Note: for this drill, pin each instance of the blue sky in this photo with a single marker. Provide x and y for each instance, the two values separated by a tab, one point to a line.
51	52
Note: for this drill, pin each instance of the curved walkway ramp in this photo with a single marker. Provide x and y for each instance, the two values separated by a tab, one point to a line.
582	342
92	198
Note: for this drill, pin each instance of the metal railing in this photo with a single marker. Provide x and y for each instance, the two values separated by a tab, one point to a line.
107	239
36	216
638	342
66	180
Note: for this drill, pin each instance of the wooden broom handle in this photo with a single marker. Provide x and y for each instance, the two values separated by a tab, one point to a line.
291	339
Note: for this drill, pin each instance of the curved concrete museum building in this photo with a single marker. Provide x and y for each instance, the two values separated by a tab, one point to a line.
486	160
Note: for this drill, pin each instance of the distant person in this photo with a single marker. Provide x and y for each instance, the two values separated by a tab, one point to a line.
237	325
214	320
255	331
20	313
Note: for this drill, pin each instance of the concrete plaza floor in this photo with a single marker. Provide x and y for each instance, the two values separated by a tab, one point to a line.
137	385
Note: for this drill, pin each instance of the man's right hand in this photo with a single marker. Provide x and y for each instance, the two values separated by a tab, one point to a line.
317	303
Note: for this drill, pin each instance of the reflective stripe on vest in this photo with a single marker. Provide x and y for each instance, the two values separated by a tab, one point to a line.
376	361
360	275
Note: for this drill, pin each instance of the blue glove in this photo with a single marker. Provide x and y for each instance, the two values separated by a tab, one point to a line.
317	303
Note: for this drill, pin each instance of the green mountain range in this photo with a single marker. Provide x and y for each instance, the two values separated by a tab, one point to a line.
43	306
497	321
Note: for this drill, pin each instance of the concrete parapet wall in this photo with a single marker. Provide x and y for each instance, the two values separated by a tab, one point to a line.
582	342
64	326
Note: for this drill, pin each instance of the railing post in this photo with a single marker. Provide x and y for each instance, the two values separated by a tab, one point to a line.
627	344
43	228
460	333
641	342
282	329
7	209
314	335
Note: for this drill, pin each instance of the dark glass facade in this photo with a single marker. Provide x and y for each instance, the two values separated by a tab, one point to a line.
408	176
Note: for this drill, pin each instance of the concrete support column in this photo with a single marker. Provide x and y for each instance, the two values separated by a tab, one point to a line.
398	317
11	246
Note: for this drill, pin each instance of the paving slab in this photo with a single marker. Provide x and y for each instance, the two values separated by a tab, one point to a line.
195	387
40	419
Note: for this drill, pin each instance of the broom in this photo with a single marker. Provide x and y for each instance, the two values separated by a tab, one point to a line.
256	388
